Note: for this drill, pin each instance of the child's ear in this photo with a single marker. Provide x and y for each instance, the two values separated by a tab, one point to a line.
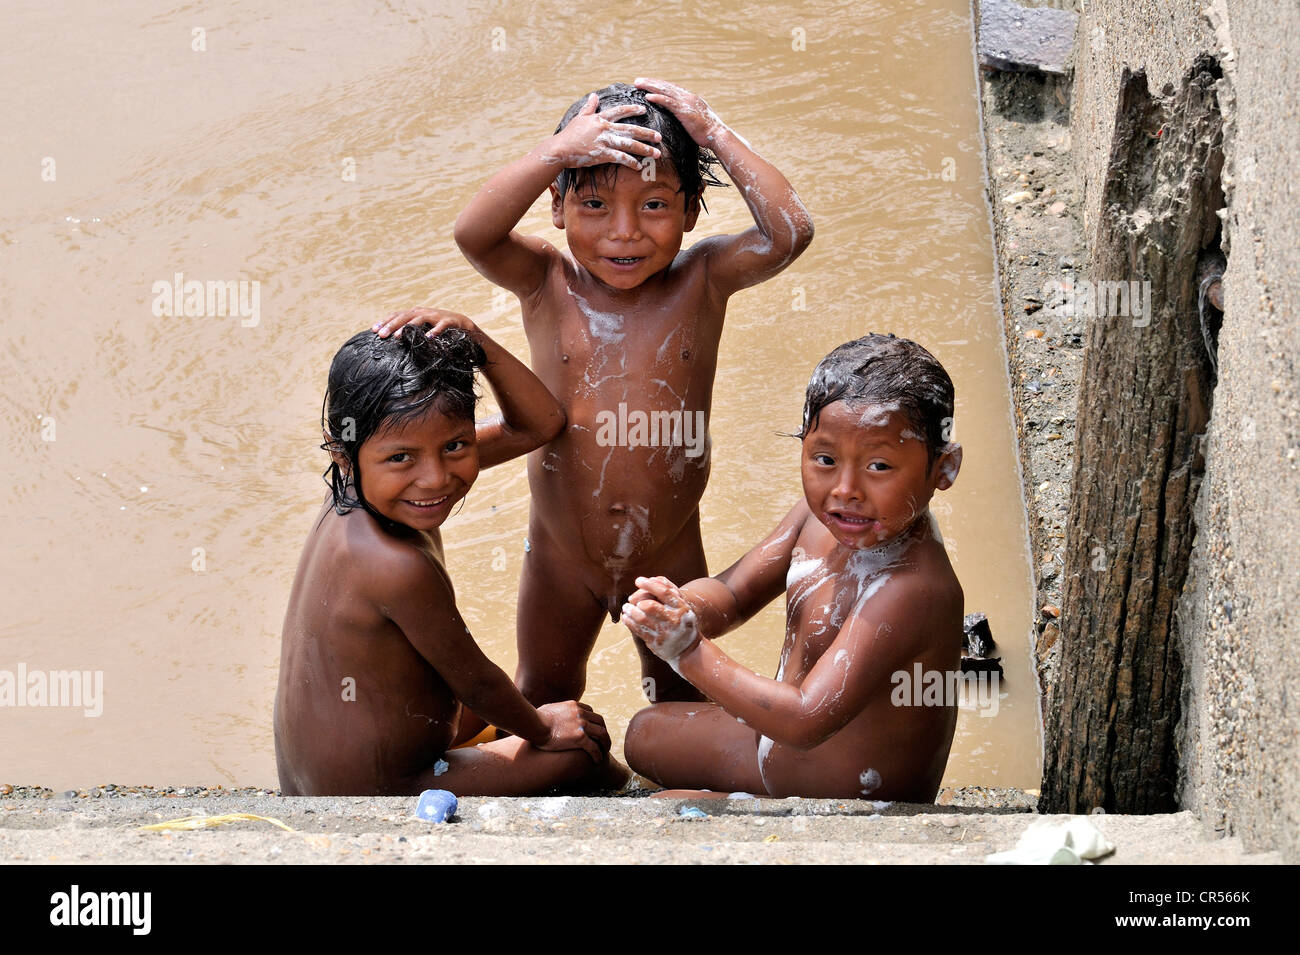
557	207
692	212
336	452
949	464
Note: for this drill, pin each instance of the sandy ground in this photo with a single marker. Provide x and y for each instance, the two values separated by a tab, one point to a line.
559	829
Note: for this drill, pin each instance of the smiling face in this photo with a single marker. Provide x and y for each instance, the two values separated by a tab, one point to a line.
625	230
414	472
866	473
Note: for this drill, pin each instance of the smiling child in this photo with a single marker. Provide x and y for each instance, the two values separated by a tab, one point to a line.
624	321
379	676
869	593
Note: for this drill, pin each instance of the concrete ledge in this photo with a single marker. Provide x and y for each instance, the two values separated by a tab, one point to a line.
560	829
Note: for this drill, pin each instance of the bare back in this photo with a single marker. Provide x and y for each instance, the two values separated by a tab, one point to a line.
358	709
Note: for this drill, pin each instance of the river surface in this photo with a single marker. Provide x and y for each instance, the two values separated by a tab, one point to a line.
163	471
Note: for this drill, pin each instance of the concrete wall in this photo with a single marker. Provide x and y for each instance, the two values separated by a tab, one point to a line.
1240	735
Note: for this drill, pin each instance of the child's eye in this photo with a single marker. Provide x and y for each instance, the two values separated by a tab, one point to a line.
825	460
400	457
878	466
453	446
592	204
656	204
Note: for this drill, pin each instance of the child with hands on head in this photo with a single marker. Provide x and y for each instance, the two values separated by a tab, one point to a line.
869	594
379	675
625	319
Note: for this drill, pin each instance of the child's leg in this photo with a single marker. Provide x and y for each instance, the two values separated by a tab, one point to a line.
556	625
694	746
511	767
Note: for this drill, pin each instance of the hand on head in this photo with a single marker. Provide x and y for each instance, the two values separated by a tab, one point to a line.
440	318
594	139
691	111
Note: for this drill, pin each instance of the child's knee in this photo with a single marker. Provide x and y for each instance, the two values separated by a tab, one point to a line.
638	742
542	688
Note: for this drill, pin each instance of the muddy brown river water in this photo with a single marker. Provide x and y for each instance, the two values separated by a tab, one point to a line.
163	471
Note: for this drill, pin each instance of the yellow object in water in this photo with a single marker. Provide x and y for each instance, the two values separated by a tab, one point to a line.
207	822
488	735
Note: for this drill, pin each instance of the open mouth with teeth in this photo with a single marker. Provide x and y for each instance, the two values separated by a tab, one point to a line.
625	261
852	520
427	505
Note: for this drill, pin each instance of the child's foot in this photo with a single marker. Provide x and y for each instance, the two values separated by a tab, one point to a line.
612	777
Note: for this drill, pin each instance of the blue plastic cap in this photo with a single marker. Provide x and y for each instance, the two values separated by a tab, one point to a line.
436	805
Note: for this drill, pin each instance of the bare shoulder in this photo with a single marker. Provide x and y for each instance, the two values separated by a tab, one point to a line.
389	568
700	253
553	263
919	603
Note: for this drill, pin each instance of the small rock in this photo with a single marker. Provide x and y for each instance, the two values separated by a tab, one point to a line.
1048	637
1057	208
1051	610
1034	333
6	789
977	636
1021	196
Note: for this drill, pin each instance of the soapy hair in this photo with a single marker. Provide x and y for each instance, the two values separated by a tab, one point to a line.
693	165
883	369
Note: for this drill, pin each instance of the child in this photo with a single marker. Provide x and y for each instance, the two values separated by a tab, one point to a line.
379	676
624	327
869	594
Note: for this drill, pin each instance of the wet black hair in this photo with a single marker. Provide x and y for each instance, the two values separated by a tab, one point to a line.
377	382
693	165
883	369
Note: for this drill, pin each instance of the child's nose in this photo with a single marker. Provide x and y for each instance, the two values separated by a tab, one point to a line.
847	485
432	476
623	224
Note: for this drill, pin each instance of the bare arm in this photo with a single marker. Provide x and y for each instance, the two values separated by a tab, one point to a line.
858	663
782	226
418	599
530	415
484	230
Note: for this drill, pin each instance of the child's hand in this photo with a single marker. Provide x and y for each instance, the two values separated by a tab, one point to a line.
574	725
439	318
593	139
691	111
659	616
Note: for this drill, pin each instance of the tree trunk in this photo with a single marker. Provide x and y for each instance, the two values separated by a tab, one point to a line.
1144	403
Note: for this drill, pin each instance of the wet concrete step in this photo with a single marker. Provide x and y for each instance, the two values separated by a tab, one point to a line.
570	830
